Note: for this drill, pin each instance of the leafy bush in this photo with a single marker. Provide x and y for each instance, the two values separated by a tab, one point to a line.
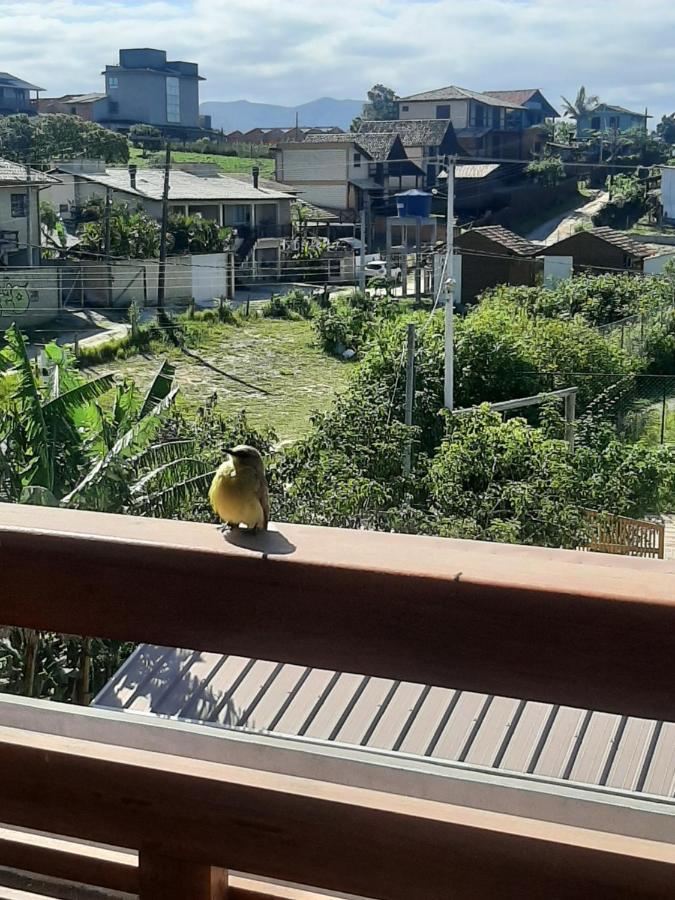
599	299
293	305
548	172
628	203
193	234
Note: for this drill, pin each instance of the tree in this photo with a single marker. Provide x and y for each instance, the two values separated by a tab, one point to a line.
193	234
40	139
145	136
666	129
381	104
582	105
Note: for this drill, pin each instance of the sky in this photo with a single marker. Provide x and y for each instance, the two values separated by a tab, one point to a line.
292	51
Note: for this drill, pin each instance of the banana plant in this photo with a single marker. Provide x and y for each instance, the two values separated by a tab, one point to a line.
73	443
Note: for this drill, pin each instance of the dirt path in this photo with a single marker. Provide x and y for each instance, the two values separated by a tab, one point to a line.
564	225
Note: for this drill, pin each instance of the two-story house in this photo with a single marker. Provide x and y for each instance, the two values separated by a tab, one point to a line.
347	172
486	124
606	119
16	95
19	213
145	87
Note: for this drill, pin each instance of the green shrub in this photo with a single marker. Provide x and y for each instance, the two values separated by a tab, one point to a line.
294	305
347	322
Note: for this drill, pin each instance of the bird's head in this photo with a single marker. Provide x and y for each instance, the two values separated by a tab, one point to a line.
244	456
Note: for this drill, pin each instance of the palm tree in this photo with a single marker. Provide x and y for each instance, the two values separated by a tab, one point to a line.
582	105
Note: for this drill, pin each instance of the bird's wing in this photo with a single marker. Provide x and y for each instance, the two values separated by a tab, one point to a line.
264	498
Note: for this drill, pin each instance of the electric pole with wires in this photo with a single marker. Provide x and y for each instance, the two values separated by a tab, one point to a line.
161	281
449	285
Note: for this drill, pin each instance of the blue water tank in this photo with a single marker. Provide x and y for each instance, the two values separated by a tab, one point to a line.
416	204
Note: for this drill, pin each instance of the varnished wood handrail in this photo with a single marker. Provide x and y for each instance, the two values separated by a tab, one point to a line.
580	629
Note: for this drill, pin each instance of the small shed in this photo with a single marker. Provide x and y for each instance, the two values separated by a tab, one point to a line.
601	250
493	255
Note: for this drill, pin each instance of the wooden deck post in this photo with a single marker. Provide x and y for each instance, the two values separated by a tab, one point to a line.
168	878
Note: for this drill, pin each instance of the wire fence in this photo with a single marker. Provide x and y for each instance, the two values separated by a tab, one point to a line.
632	333
638	407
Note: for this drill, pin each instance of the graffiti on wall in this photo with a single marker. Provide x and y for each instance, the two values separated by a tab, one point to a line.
15	298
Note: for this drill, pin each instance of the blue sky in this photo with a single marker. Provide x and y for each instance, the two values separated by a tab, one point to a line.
290	51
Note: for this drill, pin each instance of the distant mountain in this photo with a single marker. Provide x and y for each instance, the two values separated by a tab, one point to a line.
242	115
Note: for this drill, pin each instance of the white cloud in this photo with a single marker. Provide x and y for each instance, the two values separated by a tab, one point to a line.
289	51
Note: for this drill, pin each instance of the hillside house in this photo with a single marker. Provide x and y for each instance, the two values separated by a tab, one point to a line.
145	87
90	107
347	172
486	124
260	214
19	213
605	118
29	293
601	250
426	142
16	95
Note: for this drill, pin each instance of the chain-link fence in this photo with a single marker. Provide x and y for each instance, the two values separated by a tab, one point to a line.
632	333
639	407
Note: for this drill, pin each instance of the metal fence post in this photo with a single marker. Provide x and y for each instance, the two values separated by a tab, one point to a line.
663	413
570	415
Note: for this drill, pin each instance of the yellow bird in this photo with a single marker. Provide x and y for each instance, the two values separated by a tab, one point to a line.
238	492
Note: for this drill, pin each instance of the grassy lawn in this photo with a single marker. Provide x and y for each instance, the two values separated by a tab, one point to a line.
272	355
225	163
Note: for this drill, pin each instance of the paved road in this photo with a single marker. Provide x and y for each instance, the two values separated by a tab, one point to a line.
564	225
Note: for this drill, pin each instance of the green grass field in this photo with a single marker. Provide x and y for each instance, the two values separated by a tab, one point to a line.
226	164
288	377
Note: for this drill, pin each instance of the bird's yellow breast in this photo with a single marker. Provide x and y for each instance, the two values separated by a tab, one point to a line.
233	497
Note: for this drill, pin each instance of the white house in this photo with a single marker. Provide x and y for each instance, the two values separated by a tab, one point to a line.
259	211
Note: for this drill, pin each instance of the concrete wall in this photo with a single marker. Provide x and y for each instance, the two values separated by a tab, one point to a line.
209	276
29	297
202	276
656	265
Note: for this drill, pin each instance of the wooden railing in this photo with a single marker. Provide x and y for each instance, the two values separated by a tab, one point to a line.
624	536
561	626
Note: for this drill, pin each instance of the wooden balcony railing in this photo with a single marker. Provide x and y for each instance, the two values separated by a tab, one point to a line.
187	803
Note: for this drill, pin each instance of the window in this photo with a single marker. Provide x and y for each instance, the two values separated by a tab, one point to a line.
113	82
113	107
19	206
238	214
443	112
613	121
357	160
595	123
405	108
496	117
64	209
480	114
172	99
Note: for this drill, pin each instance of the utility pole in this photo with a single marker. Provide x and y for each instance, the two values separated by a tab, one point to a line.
418	261
409	396
106	244
161	281
362	269
29	218
449	381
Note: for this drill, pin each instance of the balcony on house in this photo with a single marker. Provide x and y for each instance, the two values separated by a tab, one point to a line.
161	808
